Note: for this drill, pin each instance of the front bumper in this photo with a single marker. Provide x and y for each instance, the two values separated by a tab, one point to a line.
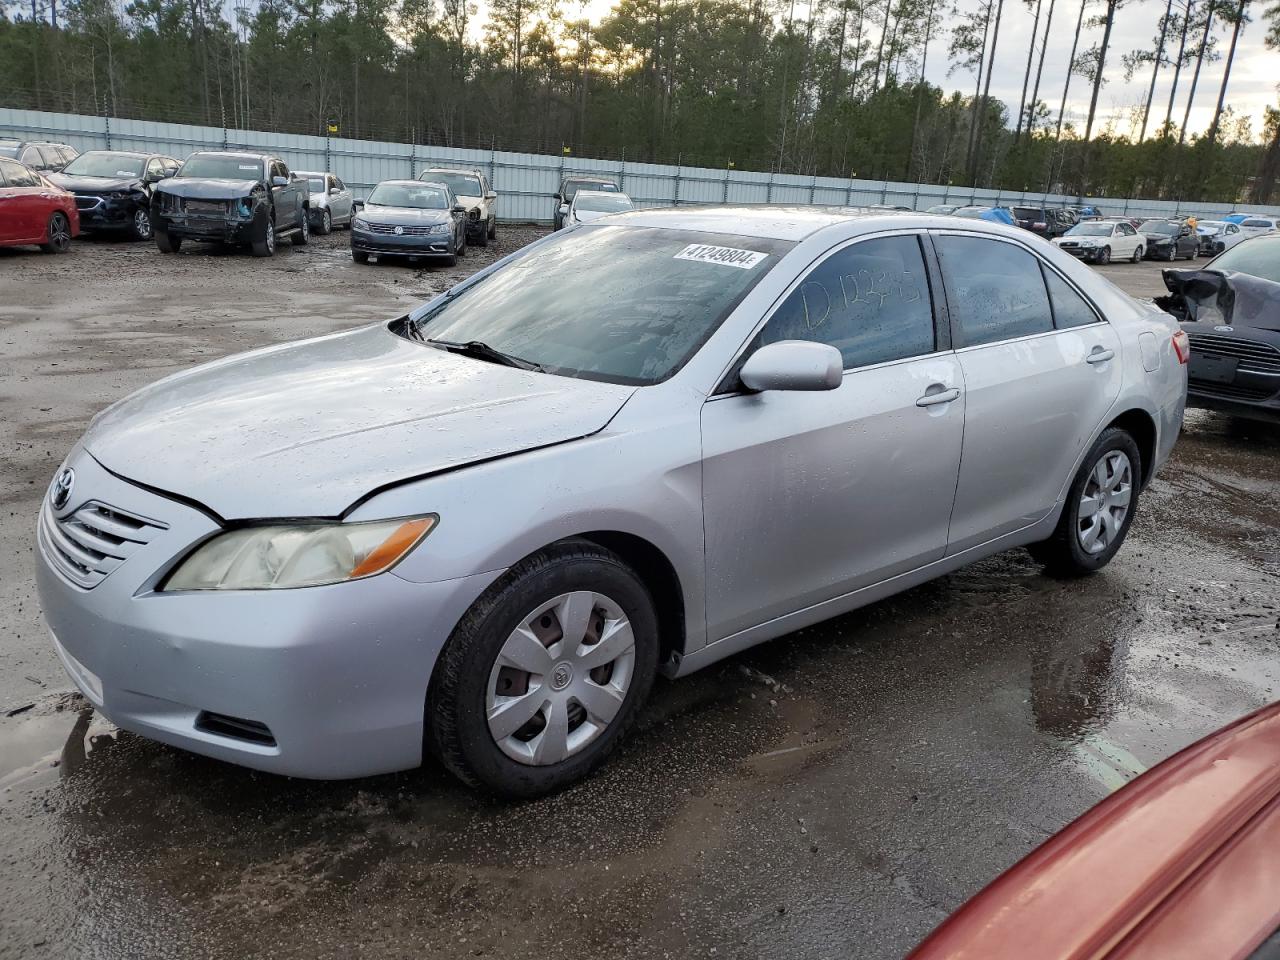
1238	374
104	213
1089	254
402	246
336	676
1159	251
215	228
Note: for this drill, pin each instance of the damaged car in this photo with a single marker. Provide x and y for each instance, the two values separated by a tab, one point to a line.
113	189
1169	240
1230	311
246	199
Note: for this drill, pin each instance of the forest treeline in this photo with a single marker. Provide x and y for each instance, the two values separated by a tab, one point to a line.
833	88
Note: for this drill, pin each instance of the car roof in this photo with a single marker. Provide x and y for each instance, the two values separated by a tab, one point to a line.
242	154
775	222
588	179
414	183
599	193
468	171
124	153
313	173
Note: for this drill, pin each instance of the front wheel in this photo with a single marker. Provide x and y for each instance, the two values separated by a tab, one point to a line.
493	228
544	673
326	223
57	234
264	237
165	241
140	228
1104	256
359	256
303	235
1100	507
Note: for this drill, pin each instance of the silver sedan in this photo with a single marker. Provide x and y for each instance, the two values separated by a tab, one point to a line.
643	445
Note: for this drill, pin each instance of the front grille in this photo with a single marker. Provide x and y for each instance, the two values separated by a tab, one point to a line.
87	203
87	545
474	216
222	725
216	208
1254	356
406	230
1227	391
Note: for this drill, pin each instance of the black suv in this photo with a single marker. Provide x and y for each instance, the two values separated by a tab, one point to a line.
1047	222
242	198
113	188
570	186
39	155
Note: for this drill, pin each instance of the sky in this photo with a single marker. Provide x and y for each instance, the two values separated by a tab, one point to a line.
1253	83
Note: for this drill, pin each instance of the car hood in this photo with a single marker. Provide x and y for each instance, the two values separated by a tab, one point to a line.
309	428
378	213
586	216
94	184
198	188
1158	237
1223	298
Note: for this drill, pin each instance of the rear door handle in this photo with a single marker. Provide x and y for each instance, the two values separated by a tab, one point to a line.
1100	355
945	395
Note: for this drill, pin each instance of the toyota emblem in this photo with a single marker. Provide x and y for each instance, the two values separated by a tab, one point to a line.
399	231
60	492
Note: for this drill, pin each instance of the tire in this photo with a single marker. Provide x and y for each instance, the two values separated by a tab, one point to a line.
493	228
1195	252
483	239
264	236
303	235
1070	552
451	260
57	234
461	248
468	676
1104	256
1137	255
326	223
359	256
140	229
165	241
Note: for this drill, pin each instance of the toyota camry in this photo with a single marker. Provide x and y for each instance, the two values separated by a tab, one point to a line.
480	530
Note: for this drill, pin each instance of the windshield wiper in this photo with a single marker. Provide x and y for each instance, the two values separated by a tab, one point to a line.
480	350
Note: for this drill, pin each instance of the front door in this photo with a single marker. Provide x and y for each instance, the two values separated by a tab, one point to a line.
809	496
1041	372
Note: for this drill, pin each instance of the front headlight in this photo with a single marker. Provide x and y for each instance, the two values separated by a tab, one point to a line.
119	195
359	224
298	555
441	228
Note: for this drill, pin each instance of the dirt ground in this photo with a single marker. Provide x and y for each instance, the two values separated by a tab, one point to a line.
833	794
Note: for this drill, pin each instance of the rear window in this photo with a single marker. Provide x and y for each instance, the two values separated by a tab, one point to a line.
573	186
1028	213
1258	223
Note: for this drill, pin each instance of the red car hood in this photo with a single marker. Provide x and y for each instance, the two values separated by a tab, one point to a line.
1181	864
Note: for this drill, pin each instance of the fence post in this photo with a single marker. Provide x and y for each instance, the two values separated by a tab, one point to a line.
493	160
884	192
813	189
724	193
108	120
413	156
848	194
679	164
328	156
768	196
622	172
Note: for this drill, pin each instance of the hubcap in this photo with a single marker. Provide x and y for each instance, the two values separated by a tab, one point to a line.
560	678
141	224
1105	502
60	233
271	237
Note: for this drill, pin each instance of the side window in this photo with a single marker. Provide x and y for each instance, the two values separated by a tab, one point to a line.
19	176
68	154
870	300
1069	308
51	156
278	169
7	169
155	169
172	166
994	290
31	157
1127	230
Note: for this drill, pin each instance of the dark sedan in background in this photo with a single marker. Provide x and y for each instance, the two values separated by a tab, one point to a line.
1047	222
410	218
1169	240
1230	310
113	189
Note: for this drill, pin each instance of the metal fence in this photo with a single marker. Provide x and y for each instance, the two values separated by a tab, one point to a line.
526	182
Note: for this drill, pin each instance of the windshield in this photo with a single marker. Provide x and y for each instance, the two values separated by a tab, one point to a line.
621	304
315	185
1259	257
1093	229
103	164
418	196
970	211
1166	229
214	166
571	187
462	185
603	204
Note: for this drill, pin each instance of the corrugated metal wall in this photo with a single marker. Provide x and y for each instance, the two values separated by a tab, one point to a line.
526	182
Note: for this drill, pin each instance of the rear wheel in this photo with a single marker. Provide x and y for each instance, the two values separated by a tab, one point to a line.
1137	255
57	234
544	673
140	228
1100	507
359	256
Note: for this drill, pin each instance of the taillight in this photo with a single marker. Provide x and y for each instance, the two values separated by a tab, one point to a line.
1038	225
1182	347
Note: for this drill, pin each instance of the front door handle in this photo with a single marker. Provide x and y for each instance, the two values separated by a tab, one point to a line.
1100	355
943	395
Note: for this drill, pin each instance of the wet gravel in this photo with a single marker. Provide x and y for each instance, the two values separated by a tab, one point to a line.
833	794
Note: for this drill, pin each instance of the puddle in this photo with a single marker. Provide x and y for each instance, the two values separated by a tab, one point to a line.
58	733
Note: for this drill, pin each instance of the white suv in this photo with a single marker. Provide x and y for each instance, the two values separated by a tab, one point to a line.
471	187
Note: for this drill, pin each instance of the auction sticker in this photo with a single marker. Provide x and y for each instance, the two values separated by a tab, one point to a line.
724	256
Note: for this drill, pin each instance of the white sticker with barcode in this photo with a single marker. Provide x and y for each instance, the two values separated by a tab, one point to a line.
723	256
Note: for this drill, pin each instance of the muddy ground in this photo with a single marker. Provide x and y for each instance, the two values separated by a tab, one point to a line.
833	794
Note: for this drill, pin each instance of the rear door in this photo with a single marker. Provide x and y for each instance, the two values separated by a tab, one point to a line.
810	496
28	209
1041	372
9	212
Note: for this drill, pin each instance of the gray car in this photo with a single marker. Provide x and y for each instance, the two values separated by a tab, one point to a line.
642	445
410	218
332	203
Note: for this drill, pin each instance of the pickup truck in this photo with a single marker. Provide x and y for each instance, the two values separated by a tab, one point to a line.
240	198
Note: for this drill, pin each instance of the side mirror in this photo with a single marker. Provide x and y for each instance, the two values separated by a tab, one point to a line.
357	205
279	181
334	191
793	365
564	209
557	196
491	195
459	208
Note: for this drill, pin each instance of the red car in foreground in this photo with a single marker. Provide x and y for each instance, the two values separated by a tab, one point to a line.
33	211
1181	864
